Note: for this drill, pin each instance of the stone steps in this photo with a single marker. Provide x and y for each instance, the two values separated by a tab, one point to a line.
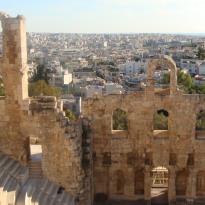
35	170
36	191
45	193
10	179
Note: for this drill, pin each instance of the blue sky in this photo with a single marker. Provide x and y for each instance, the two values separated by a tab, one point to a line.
110	16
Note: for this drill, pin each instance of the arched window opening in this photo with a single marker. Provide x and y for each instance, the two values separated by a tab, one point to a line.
120	182
200	183
161	120
200	121
161	76
200	125
162	79
119	120
181	182
159	189
2	89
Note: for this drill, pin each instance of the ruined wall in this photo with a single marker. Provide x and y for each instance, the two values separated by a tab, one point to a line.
124	159
61	142
13	68
22	117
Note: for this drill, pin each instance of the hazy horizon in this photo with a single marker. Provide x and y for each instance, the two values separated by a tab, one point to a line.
110	16
116	33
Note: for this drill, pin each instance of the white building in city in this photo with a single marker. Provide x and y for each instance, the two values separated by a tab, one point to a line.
63	79
133	67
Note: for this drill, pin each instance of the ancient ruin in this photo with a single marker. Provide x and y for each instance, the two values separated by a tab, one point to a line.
90	160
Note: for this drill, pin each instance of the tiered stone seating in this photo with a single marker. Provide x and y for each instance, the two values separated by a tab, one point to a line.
16	188
46	193
11	173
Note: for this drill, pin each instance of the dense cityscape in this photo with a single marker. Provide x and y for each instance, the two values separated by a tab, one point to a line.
102	64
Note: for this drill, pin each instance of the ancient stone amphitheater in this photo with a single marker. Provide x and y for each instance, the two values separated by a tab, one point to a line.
87	161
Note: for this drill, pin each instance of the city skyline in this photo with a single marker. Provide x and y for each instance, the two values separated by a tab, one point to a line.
110	16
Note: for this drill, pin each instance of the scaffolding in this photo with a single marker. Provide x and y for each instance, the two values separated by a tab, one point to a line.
160	177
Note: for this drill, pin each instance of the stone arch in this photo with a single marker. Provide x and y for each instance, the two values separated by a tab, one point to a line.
139	182
119	120
164	61
161	120
120	182
181	182
200	183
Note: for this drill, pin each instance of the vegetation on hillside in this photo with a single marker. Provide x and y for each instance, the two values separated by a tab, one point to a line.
39	83
40	87
201	53
185	82
41	73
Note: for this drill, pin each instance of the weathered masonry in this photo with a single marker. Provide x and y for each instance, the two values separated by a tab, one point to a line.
123	160
21	118
95	158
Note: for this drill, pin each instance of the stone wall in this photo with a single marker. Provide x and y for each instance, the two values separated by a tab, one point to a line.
122	155
23	117
61	142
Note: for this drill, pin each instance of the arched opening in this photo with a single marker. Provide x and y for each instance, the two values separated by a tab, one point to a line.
120	182
200	124
200	184
159	190
119	120
139	182
161	119
162	76
2	89
162	79
181	182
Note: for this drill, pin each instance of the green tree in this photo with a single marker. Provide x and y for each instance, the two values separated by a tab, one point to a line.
200	121
119	120
165	79
42	88
70	115
185	81
41	73
2	90
161	120
201	53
